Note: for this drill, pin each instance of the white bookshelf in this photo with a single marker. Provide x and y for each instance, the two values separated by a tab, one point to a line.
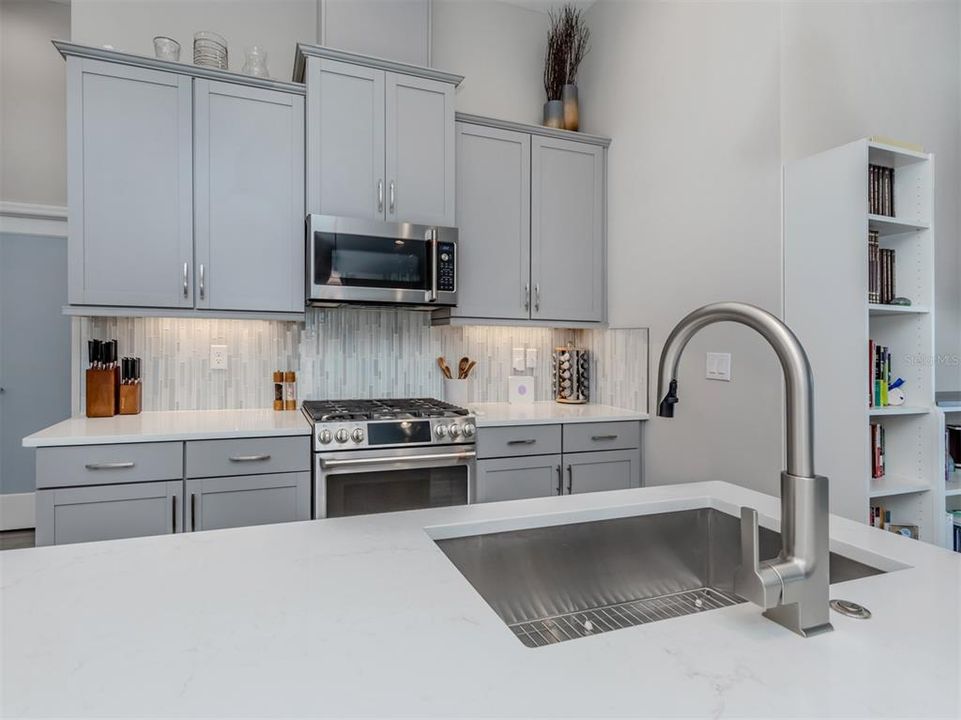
825	236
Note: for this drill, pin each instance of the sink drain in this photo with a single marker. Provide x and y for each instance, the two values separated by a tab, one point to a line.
851	609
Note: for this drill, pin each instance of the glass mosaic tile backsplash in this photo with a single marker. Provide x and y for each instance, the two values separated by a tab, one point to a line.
350	353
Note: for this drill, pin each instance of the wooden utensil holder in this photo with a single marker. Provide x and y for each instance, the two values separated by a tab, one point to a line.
102	392
131	399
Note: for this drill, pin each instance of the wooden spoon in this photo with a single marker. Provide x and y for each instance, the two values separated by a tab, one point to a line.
442	364
470	368
462	367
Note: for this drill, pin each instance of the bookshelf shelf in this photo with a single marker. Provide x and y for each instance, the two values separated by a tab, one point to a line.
890	486
826	253
897	410
953	487
879	310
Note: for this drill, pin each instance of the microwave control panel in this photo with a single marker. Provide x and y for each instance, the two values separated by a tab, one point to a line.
445	267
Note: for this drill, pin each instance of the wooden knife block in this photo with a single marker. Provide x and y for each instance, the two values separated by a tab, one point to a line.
131	399
102	392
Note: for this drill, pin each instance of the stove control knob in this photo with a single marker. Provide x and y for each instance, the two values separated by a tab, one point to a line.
440	431
454	430
357	436
469	430
342	435
325	436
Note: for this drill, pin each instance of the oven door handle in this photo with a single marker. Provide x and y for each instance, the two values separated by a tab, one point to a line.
404	459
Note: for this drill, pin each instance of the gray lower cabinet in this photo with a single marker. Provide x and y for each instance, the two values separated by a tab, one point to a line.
240	500
596	471
108	512
248	198
518	477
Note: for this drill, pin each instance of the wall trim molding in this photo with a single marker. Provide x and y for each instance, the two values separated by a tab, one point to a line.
18	511
33	219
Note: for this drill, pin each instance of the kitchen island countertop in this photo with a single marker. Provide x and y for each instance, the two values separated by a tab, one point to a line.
366	616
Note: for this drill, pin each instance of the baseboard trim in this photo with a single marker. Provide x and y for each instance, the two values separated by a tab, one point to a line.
18	511
33	219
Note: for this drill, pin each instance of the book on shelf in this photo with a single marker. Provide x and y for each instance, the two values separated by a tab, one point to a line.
877	450
881	190
882	288
879	517
879	374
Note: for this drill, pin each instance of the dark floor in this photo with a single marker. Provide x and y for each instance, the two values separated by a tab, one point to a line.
15	539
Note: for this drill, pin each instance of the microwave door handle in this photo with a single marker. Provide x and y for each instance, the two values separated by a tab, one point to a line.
432	241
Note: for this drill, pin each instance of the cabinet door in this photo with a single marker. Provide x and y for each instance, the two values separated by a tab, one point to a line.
494	222
242	500
420	150
249	197
516	478
567	230
109	512
594	471
345	139
129	186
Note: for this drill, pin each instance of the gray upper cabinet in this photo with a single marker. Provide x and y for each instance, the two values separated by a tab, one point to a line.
567	230
249	197
345	139
129	185
420	150
493	216
380	137
393	29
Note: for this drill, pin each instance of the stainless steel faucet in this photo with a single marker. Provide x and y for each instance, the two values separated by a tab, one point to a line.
793	587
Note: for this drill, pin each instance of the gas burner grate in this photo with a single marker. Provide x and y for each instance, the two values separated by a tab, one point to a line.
570	626
386	409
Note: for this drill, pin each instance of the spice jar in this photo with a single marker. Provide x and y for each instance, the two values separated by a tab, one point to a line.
290	390
278	390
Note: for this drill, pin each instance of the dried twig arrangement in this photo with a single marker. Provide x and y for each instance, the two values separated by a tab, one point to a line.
568	41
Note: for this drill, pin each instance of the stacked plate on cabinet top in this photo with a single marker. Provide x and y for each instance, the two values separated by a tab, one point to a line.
210	49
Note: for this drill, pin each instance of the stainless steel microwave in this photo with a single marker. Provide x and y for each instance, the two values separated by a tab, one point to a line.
368	261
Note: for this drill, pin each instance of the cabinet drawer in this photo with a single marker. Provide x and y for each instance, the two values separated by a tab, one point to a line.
108	464
518	440
247	456
591	437
111	512
240	501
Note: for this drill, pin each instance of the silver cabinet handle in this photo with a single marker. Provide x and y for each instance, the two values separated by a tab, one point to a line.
528	441
570	479
248	458
380	195
527	296
201	281
173	512
392	460
598	438
537	297
560	481
109	466
193	511
391	206
186	289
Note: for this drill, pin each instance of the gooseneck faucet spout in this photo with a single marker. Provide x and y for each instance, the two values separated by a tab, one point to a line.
792	588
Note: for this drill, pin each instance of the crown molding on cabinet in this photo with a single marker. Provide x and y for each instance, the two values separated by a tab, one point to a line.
533	129
181	68
305	50
33	219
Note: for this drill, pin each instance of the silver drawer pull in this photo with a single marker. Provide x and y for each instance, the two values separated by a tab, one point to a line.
108	466
595	438
249	458
529	441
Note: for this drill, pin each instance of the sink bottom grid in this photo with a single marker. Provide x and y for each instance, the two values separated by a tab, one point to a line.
570	626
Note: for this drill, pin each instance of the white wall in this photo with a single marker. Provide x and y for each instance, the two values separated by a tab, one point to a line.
705	100
32	102
499	47
276	25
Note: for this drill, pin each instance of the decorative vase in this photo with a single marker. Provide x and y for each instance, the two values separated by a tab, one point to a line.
255	62
554	114
572	114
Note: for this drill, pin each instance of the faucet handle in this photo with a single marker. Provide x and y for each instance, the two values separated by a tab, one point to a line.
754	581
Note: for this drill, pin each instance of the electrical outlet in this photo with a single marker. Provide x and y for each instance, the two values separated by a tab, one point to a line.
517	359
718	366
531	357
218	357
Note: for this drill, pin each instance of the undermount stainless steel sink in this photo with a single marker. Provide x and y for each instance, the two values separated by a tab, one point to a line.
562	582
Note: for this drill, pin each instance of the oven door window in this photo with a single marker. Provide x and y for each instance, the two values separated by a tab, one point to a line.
375	262
378	492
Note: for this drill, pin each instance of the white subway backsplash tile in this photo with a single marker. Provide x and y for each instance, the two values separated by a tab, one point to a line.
352	353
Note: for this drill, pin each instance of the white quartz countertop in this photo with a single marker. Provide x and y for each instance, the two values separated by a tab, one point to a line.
365	616
548	413
162	426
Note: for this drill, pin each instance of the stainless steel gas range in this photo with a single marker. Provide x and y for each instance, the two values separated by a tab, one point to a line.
374	456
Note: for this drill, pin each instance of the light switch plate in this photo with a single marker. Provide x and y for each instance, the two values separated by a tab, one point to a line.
517	359
218	357
718	366
531	358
